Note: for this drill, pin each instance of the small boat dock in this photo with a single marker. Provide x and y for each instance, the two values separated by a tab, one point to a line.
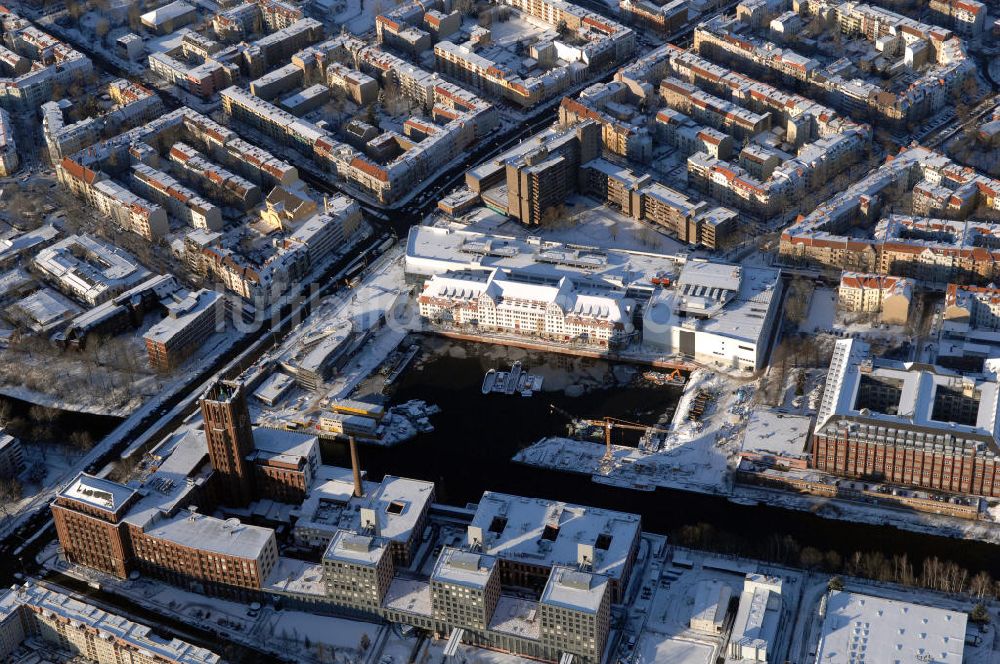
515	381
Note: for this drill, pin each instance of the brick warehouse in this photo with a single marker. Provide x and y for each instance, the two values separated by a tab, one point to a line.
908	423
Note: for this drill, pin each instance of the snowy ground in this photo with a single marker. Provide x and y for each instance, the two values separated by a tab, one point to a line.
59	462
694	456
823	316
659	620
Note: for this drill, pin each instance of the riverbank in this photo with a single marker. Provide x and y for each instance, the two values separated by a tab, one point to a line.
477	437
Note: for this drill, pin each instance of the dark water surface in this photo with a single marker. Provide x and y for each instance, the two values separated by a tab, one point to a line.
476	436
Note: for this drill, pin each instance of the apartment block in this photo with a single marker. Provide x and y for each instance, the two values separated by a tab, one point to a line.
966	17
132	212
33	611
42	64
925	249
183	203
11	455
949	67
204	79
976	306
191	318
563	534
875	293
465	588
231	187
504	304
200	551
359	87
88	269
9	159
575	612
666	18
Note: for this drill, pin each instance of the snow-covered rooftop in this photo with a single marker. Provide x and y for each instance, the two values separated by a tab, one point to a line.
545	532
517	616
923	392
463	568
108	625
183	468
226	537
432	250
717	298
355	548
863	629
757	618
292	576
409	595
98	492
512	292
183	310
772	433
569	588
287	446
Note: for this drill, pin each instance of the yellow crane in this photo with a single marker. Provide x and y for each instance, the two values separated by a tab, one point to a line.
609	423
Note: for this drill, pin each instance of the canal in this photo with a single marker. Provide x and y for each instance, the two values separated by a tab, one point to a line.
51	425
476	436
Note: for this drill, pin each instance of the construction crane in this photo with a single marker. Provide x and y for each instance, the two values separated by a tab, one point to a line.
608	423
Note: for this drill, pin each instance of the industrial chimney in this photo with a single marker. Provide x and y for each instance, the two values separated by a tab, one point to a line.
356	467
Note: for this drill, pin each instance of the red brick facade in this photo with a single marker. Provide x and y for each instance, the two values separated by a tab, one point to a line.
955	471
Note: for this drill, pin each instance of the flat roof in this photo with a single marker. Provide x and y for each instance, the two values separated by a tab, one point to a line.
517	616
408	595
298	577
742	314
274	387
46	307
226	537
757	618
775	433
352	547
290	445
188	309
463	568
398	503
918	385
98	492
570	588
548	532
183	466
887	630
432	250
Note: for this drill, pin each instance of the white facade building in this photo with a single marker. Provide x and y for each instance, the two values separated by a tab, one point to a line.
757	620
716	313
497	302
